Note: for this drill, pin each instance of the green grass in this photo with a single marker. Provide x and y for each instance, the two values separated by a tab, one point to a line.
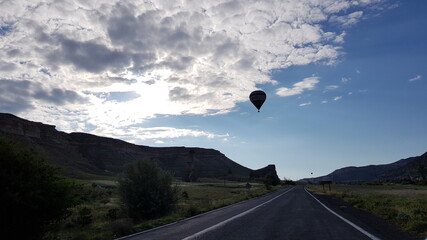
404	205
102	200
106	220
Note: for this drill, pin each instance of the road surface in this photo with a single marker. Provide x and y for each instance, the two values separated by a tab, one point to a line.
291	213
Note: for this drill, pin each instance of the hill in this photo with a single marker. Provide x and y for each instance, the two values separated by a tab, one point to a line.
82	155
412	169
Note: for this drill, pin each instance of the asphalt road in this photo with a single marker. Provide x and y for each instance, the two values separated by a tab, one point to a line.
291	213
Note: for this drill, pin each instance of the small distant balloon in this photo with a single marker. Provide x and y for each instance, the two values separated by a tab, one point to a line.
258	98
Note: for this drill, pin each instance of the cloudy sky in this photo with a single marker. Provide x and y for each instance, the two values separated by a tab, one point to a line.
346	80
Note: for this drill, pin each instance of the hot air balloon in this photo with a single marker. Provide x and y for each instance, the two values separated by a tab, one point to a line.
257	98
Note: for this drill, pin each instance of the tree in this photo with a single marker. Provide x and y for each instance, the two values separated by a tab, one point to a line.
271	180
34	196
146	190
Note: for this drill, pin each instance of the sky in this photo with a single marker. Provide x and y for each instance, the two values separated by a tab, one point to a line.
346	80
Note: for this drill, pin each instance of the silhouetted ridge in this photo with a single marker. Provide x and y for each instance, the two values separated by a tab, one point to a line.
412	169
78	153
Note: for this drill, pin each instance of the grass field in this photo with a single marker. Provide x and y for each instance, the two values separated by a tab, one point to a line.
100	216
404	205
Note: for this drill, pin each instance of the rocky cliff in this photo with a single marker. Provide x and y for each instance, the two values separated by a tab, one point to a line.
82	154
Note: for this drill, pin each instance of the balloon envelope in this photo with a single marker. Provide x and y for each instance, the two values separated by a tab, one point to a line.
258	98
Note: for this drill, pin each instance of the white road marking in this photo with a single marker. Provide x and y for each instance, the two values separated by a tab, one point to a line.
345	220
220	224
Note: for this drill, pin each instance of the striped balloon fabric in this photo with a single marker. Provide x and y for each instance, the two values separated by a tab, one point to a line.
258	98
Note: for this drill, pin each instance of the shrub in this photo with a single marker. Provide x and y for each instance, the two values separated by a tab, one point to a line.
112	213
271	180
84	216
185	195
34	196
146	190
420	226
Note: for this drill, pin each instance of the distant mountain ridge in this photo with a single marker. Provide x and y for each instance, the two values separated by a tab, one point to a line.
82	154
412	168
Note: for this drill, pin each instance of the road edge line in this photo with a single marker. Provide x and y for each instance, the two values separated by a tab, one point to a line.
220	224
371	236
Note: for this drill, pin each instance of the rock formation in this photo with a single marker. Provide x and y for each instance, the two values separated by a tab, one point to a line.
83	155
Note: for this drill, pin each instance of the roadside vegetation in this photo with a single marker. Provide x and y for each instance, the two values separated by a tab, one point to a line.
106	217
403	205
35	198
39	203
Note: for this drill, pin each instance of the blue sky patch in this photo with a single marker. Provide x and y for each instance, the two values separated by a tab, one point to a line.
122	96
45	71
5	29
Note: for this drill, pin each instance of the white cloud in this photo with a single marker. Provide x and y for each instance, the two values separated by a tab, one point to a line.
325	101
416	78
305	104
188	57
347	20
331	87
340	38
345	79
141	134
299	87
337	98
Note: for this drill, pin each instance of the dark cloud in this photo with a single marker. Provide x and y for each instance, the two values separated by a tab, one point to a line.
143	62
226	50
18	95
58	96
83	55
151	37
177	63
89	56
124	28
149	82
179	94
6	66
14	96
13	53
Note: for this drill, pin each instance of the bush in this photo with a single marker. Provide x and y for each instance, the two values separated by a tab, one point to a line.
185	195
112	213
146	191
271	180
420	226
34	197
84	216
